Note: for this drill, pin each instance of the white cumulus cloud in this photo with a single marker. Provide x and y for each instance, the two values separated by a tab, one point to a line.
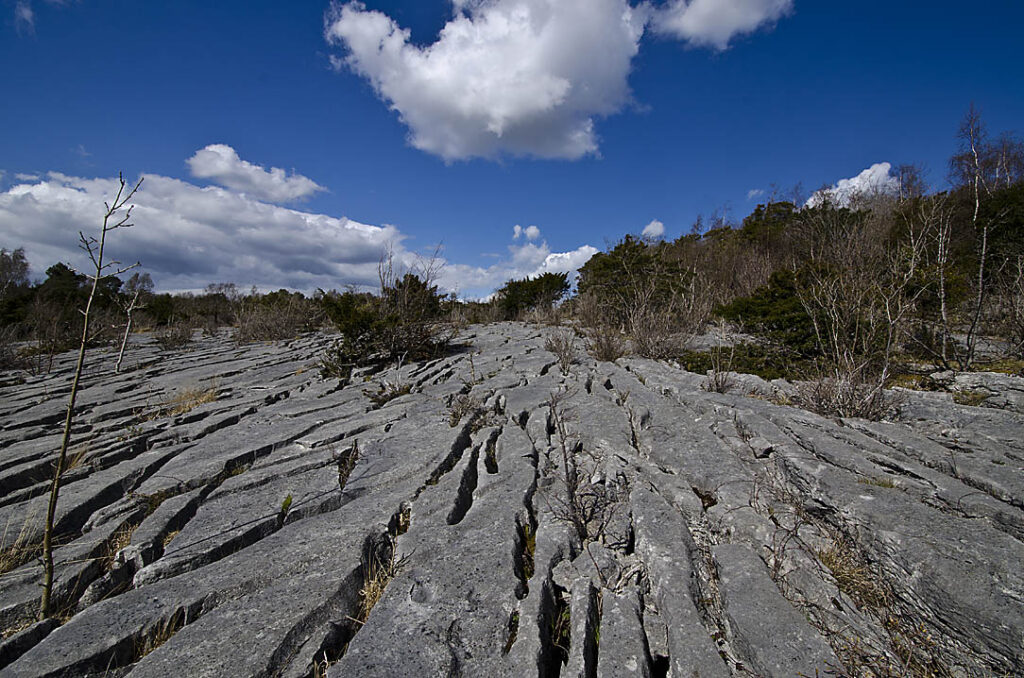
655	229
220	163
530	232
523	77
528	260
877	179
715	23
519	77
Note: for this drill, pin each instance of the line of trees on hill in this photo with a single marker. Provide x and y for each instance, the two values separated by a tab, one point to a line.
842	289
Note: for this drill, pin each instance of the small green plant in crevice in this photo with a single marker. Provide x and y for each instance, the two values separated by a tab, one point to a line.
526	547
286	506
561	626
513	632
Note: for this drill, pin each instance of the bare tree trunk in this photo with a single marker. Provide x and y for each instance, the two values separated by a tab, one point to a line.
972	132
127	330
94	248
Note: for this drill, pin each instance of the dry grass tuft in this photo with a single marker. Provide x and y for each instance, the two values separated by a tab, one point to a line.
77	457
971	398
21	550
189	399
169	537
386	392
605	343
878	482
563	344
852	576
462	405
159	634
183	402
377	574
120	539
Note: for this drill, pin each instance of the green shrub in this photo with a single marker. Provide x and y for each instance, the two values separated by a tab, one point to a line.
404	323
532	294
775	313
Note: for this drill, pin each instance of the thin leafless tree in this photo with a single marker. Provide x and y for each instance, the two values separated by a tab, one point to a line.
115	217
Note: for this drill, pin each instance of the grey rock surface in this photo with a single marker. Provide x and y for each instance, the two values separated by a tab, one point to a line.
504	519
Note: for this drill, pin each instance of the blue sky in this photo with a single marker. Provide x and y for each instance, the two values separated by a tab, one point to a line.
566	115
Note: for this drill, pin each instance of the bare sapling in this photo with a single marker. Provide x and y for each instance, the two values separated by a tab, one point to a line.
116	217
129	309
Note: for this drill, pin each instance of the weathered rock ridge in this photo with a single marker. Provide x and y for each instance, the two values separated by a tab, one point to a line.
704	534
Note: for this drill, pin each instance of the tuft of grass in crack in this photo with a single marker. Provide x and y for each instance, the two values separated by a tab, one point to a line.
462	405
120	539
377	574
159	634
970	397
852	576
561	627
20	551
77	457
346	461
169	537
386	393
529	549
878	482
183	402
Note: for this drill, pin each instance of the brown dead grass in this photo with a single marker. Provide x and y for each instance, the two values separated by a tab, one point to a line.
159	634
853	577
16	550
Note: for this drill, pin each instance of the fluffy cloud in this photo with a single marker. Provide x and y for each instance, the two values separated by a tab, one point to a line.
530	232
523	77
188	236
876	179
526	261
220	163
655	229
755	193
715	23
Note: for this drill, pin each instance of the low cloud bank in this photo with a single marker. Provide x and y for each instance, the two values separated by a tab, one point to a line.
188	236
